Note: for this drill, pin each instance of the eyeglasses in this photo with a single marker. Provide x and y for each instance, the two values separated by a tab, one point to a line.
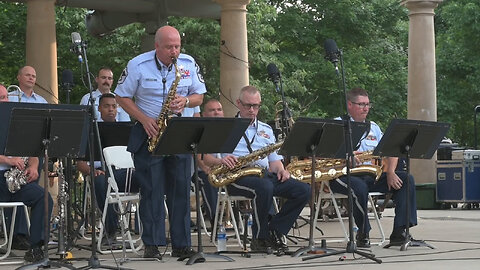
363	105
247	106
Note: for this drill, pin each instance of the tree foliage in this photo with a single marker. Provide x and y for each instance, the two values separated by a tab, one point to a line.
458	66
373	37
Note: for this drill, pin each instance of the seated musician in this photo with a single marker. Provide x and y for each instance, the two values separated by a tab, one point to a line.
211	108
390	181
107	108
31	194
276	181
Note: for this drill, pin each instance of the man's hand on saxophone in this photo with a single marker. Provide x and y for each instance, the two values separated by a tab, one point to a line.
150	126
15	162
32	169
229	161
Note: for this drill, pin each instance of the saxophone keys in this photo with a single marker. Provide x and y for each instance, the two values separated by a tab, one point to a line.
332	172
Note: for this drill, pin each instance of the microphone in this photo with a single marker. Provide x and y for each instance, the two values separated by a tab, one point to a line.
67	79
77	45
273	74
331	52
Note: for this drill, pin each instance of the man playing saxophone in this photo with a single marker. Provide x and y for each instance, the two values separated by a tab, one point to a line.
156	82
391	181
276	181
31	194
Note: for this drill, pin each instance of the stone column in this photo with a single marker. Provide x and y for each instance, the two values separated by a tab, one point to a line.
234	52
41	43
422	89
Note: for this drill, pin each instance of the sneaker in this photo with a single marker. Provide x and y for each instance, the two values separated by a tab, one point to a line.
20	242
185	252
261	245
363	240
152	252
34	255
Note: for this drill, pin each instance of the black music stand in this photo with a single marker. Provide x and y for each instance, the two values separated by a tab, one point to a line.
411	139
318	138
37	132
191	135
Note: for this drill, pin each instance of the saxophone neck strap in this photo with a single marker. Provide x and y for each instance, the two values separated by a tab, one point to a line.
159	67
365	135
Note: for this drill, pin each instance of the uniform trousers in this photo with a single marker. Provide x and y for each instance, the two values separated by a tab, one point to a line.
160	176
262	190
32	196
101	185
209	194
363	184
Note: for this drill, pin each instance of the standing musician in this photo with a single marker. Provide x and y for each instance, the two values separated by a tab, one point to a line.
31	194
276	181
149	78
390	181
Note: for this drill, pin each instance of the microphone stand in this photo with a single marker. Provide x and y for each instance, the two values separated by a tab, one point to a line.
93	262
286	113
351	245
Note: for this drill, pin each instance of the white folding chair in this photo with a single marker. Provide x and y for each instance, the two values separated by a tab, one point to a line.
117	157
326	192
224	199
8	236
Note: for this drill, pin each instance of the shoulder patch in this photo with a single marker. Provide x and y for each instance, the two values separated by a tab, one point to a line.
199	74
123	76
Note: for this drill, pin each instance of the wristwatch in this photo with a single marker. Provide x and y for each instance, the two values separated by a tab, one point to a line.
187	102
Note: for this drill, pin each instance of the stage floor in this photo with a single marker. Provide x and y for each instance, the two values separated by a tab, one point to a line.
455	234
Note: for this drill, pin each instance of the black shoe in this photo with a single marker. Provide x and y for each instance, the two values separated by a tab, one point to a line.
261	245
109	239
152	252
20	242
399	237
34	255
185	252
363	240
276	242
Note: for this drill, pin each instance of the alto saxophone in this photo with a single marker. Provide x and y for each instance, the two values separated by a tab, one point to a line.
329	169
165	115
221	175
16	178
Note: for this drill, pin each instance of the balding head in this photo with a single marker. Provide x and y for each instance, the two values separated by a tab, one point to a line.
27	77
167	44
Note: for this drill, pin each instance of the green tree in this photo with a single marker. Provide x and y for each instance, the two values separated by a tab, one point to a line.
458	65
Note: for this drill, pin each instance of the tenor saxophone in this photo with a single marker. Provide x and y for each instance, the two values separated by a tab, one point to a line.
165	113
221	175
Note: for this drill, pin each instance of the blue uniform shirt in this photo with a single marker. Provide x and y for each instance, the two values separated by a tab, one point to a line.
260	135
143	80
122	116
370	141
34	98
13	97
189	112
